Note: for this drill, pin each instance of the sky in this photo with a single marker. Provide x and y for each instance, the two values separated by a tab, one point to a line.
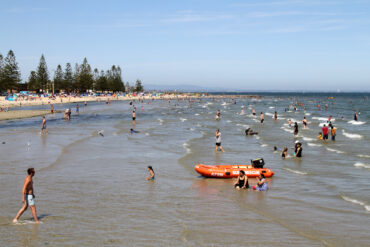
236	44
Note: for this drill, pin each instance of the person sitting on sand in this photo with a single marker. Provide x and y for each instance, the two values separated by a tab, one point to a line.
250	132
242	181
151	175
261	183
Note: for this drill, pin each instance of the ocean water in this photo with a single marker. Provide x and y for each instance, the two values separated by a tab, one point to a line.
91	190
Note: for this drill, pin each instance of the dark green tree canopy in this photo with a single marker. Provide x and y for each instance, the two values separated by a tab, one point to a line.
10	75
43	74
80	79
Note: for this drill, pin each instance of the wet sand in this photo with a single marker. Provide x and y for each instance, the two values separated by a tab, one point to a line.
22	114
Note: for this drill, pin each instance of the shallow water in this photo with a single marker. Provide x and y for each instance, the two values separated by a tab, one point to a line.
91	190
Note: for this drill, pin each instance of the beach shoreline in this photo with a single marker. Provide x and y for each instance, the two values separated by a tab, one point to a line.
19	114
78	99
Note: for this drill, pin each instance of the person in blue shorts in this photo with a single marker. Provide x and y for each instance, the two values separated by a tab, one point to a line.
261	183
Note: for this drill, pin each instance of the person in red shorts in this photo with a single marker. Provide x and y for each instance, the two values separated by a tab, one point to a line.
325	131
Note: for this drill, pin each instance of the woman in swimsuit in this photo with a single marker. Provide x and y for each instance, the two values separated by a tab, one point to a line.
304	122
242	181
295	128
261	183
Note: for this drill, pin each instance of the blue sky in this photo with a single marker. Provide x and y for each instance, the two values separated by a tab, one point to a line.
250	45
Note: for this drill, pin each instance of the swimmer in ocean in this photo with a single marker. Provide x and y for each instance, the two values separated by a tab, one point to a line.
77	109
250	132
298	150
304	122
333	133
242	181
355	117
253	112
218	114
290	123
295	128
132	131
275	116
284	154
151	173
262	118
134	116
218	141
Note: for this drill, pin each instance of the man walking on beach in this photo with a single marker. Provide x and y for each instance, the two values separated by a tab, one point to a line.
43	126
28	196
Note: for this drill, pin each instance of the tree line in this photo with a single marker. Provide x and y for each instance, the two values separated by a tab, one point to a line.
81	79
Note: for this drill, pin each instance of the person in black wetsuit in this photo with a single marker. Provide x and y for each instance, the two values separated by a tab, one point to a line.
242	181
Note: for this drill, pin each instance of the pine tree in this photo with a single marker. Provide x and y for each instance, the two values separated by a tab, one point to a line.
85	77
95	79
138	86
102	83
76	78
11	75
42	74
58	79
1	71
68	78
32	84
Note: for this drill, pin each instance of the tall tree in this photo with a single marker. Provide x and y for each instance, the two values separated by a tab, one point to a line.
76	78
11	75
139	86
85	77
102	83
1	71
32	84
58	79
43	74
95	79
68	78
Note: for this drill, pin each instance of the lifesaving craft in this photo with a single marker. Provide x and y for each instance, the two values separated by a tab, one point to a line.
232	171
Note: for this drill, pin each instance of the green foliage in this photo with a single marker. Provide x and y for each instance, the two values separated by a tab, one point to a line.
84	77
32	83
139	86
80	79
58	79
42	74
10	75
68	78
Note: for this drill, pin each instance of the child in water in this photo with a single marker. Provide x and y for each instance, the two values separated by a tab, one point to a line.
319	136
151	175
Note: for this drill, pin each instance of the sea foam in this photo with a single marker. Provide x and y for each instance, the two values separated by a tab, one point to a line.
348	199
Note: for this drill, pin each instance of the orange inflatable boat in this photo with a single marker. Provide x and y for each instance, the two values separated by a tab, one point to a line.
232	171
